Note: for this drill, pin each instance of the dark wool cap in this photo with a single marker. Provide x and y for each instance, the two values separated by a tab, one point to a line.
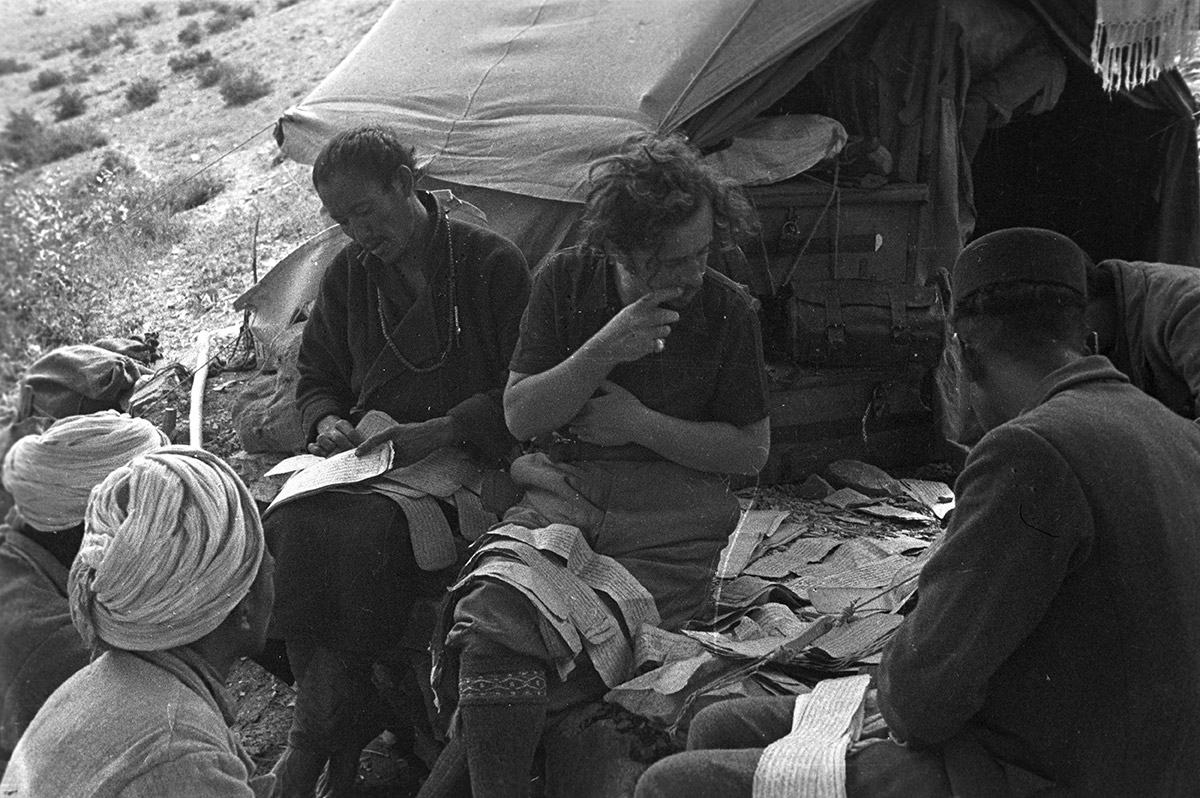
1020	254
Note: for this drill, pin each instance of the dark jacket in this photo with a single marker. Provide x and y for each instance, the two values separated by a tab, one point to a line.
1158	337
348	367
1059	623
39	647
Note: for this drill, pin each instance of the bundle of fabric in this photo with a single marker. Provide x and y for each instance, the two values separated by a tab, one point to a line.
1136	40
173	542
52	474
79	379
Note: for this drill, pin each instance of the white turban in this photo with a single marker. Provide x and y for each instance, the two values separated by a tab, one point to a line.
172	543
51	475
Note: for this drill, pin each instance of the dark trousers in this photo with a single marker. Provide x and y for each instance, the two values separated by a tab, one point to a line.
726	740
346	589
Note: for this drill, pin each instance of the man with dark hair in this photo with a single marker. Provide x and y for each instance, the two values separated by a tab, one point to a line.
417	318
1146	320
1056	642
639	373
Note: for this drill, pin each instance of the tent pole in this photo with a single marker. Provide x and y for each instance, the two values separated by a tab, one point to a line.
199	377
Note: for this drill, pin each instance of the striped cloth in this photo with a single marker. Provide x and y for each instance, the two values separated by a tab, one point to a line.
51	475
810	761
172	543
1136	40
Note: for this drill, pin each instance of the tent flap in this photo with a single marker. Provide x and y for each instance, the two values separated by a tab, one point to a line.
520	96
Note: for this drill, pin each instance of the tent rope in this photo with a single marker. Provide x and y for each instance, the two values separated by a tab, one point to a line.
149	203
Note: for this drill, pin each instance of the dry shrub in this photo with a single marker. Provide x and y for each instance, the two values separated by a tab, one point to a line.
243	84
192	192
142	93
44	303
191	34
126	39
189	61
68	104
11	66
212	73
98	38
48	79
61	241
27	143
189	7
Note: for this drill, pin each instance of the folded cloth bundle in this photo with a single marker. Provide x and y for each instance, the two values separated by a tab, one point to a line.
51	475
172	543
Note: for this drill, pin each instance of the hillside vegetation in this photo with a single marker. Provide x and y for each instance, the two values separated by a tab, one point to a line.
136	157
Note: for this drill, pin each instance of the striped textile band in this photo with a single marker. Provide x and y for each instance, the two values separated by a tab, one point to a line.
510	687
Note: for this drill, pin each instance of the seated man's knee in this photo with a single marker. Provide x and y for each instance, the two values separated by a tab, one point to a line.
741	723
701	774
885	769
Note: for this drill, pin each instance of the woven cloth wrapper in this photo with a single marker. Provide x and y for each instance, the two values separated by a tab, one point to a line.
1137	40
51	475
172	543
810	761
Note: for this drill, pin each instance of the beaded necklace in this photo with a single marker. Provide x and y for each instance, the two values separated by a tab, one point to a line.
453	329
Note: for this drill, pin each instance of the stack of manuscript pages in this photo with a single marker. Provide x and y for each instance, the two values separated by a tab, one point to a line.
811	585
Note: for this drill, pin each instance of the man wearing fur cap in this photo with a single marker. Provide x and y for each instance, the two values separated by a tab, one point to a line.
638	374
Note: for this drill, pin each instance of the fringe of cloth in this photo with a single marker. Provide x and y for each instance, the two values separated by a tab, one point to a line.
1136	40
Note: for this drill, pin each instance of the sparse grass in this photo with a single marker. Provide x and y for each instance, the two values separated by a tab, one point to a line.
228	16
11	66
81	74
243	84
221	23
242	11
48	79
118	31
187	62
191	34
98	38
142	93
68	104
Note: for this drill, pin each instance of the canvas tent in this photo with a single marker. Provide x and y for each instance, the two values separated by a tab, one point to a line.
509	101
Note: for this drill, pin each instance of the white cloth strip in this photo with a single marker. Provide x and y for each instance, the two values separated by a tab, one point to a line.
810	762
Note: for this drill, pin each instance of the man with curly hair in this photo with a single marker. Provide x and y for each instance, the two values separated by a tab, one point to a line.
638	375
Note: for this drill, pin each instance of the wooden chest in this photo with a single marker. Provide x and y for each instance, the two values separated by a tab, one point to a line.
813	232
